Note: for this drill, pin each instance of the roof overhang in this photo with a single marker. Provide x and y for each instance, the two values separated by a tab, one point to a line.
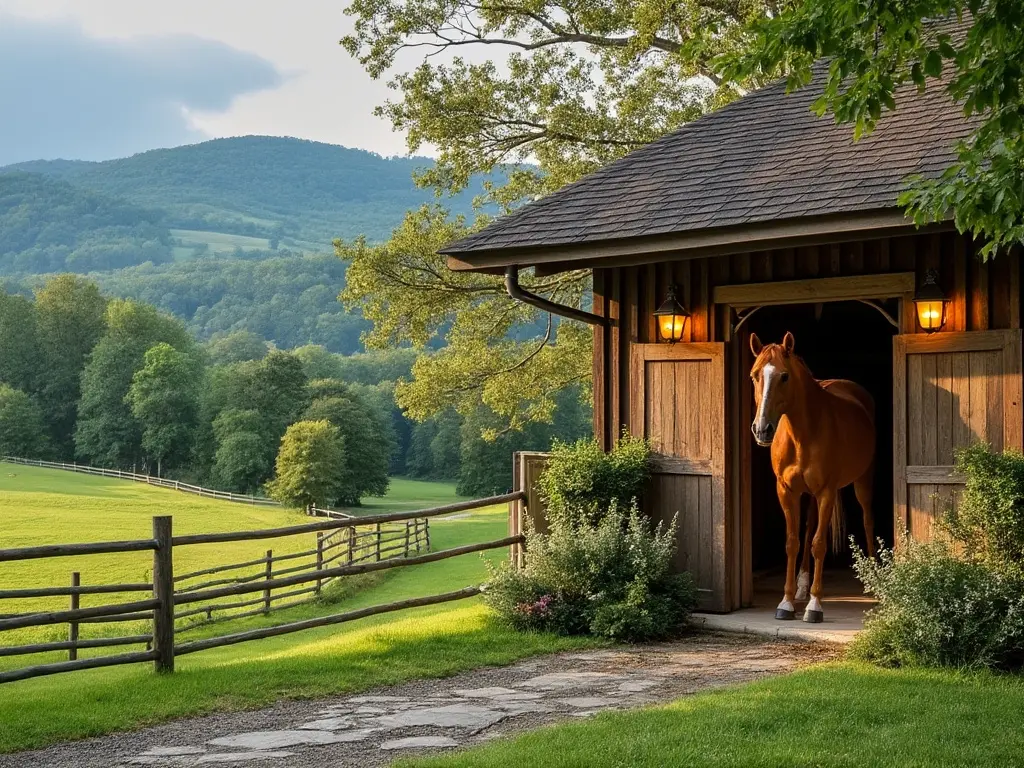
790	233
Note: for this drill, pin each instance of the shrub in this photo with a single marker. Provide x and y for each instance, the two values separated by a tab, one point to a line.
936	608
988	520
613	580
581	482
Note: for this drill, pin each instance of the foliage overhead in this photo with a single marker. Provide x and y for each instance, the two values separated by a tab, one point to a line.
974	46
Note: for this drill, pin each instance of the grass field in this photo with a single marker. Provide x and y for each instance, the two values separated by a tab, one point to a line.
218	242
42	506
836	715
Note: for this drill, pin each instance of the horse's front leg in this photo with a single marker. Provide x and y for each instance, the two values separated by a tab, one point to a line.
819	547
790	502
803	580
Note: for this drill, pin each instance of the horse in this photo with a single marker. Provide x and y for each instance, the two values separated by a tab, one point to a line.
822	438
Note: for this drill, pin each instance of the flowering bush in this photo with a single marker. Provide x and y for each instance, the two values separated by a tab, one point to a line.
613	579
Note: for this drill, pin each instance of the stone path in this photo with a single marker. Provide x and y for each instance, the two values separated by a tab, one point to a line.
430	715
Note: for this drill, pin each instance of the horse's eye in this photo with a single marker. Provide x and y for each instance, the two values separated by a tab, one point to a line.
784	377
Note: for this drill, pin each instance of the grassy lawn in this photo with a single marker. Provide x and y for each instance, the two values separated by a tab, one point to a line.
839	715
49	505
220	242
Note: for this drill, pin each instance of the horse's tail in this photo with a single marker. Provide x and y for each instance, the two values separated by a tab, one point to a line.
838	524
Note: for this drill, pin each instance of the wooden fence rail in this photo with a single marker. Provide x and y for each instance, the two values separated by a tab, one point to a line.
362	545
159	482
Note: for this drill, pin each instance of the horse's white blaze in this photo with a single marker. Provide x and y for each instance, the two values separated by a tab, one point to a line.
803	585
814	605
767	374
785	605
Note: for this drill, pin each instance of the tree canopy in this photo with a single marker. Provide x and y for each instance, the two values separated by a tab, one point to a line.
972	49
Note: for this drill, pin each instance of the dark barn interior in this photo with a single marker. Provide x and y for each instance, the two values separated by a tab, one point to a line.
837	340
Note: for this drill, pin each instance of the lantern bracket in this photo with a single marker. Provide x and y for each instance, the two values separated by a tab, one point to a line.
743	317
881	311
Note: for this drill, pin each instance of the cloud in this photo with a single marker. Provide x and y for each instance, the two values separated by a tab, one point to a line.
66	94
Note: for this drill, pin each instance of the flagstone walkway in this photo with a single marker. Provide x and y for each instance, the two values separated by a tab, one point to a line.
374	728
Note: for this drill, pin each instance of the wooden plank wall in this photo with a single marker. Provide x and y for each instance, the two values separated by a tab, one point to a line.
984	296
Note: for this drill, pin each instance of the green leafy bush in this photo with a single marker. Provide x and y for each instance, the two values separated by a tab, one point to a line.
581	482
938	608
613	580
988	520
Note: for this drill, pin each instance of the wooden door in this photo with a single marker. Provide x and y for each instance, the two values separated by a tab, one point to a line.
950	390
678	403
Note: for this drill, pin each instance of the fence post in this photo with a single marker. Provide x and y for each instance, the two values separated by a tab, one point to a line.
351	543
270	576
377	558
406	538
319	560
76	580
163	590
426	532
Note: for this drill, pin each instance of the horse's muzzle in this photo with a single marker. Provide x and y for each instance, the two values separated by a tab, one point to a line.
763	437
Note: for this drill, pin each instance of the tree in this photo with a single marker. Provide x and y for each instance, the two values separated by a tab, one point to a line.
974	46
244	454
107	433
368	448
164	399
70	317
19	343
310	465
236	347
567	88
22	429
276	388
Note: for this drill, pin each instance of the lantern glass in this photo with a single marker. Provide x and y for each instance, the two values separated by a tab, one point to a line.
671	327
930	303
671	317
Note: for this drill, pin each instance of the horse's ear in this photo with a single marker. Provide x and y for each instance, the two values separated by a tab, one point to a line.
788	342
755	344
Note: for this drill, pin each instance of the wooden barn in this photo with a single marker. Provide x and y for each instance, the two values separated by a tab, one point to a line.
762	218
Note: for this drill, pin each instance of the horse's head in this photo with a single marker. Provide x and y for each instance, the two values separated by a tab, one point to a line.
774	367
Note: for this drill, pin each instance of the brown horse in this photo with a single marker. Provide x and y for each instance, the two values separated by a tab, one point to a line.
822	436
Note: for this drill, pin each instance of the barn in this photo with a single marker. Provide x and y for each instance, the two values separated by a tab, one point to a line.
762	218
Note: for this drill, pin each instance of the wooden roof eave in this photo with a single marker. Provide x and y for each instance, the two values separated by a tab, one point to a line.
791	233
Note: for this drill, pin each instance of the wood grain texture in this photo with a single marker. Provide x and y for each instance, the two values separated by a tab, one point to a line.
815	290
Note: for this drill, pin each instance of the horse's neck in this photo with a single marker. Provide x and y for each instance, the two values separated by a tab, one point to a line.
803	414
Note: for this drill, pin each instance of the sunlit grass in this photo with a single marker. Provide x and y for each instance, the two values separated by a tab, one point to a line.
839	715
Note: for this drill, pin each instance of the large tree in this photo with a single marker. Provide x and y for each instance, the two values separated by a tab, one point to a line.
533	95
310	465
69	312
973	49
164	399
22	429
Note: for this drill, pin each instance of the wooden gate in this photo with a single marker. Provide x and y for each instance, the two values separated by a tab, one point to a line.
678	403
950	390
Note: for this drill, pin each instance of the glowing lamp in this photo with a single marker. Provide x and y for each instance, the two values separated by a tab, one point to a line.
671	317
930	303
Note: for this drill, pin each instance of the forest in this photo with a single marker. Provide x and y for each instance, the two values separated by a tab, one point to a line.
117	383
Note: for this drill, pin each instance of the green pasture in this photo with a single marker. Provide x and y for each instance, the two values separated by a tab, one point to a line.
45	506
836	715
218	242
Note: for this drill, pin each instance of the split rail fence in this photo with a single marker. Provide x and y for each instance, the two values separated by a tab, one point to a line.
346	546
160	482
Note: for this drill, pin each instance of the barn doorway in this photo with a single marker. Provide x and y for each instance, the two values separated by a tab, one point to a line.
837	340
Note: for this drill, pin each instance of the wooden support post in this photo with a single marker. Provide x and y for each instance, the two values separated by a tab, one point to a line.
351	543
76	581
406	538
377	539
270	577
163	590
319	560
426	536
418	527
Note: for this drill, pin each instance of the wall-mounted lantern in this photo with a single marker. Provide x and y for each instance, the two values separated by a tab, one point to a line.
930	303
672	317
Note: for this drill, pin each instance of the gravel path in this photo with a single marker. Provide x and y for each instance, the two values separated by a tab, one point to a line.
429	715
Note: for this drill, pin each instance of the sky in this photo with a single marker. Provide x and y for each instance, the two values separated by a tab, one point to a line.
98	79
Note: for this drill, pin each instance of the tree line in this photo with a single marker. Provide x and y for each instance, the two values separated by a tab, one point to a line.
117	383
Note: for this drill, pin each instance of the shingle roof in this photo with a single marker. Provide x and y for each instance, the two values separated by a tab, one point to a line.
766	157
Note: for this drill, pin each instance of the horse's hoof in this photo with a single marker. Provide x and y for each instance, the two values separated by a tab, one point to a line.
783	615
814	617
